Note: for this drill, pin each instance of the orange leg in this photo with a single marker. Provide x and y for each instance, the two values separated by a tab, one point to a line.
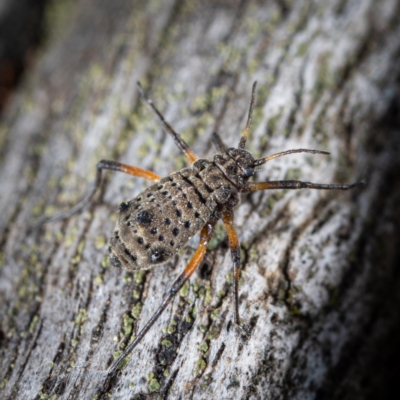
103	164
227	218
178	140
254	186
205	236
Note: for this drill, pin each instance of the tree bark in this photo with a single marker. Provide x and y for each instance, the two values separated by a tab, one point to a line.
319	288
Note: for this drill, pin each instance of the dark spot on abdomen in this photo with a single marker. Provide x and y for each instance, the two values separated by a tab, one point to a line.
158	255
123	206
144	218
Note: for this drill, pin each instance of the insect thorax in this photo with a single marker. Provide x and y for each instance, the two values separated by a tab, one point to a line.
154	226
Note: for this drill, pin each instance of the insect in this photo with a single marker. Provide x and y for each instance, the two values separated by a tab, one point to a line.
154	226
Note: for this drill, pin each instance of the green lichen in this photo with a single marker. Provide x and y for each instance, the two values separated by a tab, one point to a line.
199	367
105	262
215	314
154	385
204	347
139	276
253	254
229	278
136	310
81	317
166	343
33	323
100	242
213	332
171	329
127	324
98	280
75	260
218	236
184	292
208	293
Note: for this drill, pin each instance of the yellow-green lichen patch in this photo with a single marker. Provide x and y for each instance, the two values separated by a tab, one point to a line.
33	323
70	236
136	310
154	385
215	314
221	294
229	278
45	396
218	236
196	286
213	332
98	280
184	292
100	242
105	262
193	313
127	324
166	343
171	327
139	276
81	317
204	347
253	254
200	366
208	293
75	260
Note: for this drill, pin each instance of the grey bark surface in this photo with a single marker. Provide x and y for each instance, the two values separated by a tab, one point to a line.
319	286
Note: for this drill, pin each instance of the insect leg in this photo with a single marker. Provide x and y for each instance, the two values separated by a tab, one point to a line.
218	143
205	236
178	140
103	164
254	186
284	153
227	218
243	139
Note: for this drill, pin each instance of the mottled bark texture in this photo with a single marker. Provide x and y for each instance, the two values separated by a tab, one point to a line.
319	287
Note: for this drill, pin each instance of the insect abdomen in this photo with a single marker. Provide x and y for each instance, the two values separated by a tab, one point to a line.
155	225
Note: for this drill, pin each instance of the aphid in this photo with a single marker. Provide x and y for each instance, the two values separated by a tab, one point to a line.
154	226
